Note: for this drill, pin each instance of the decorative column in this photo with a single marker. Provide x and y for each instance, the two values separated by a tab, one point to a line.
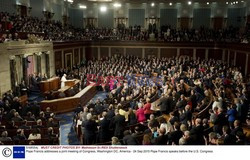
109	51
25	67
235	58
39	61
143	52
228	58
158	53
178	52
246	64
223	55
206	54
194	54
13	74
99	53
47	64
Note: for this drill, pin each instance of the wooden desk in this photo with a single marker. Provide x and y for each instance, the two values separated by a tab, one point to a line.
68	104
72	82
50	84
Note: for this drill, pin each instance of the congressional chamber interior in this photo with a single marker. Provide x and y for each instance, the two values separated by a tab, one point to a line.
124	72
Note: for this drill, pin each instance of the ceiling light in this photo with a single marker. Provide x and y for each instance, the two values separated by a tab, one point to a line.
236	2
207	3
83	6
189	2
170	4
103	8
117	5
226	2
153	4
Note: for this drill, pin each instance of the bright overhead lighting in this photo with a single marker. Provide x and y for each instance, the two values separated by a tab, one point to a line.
70	1
83	6
189	2
153	4
170	4
117	5
207	3
226	2
237	2
103	8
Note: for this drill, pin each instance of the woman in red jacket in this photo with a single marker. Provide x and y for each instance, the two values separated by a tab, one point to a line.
140	114
147	109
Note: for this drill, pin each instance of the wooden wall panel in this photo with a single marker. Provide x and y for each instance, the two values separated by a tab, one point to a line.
168	52
241	61
81	54
226	55
248	68
184	22
104	52
68	59
218	22
117	50
231	59
200	53
58	60
76	57
186	52
134	52
215	54
151	52
91	52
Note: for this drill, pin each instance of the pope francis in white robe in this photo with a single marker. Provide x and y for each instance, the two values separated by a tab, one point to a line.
63	80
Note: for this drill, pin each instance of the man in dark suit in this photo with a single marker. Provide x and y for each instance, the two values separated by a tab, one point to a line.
162	139
104	133
176	134
197	132
118	123
219	121
237	128
90	128
229	139
163	104
110	113
128	139
24	125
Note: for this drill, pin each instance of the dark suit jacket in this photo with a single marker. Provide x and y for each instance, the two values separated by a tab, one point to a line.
132	119
175	136
129	140
197	133
235	130
229	139
118	123
90	128
160	140
104	130
163	104
219	122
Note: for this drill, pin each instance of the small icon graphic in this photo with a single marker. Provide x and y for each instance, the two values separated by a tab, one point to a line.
7	152
18	152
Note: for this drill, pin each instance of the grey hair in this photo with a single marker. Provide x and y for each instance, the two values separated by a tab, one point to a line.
89	116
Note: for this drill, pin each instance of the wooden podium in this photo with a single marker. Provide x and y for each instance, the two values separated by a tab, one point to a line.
50	84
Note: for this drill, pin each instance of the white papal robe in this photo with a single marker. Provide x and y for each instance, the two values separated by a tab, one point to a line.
63	80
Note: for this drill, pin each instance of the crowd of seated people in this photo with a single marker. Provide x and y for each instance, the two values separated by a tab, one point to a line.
26	124
185	89
11	25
